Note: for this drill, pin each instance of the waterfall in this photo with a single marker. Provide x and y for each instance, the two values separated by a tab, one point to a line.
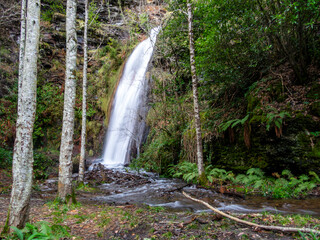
126	124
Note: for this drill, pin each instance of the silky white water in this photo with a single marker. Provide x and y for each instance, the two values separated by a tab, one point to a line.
126	114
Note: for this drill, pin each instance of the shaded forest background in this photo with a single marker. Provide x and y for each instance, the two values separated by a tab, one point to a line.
258	67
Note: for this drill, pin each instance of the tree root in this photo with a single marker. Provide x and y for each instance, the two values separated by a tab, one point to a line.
256	226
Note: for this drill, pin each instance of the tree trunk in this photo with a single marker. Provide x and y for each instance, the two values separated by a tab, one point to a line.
84	96
195	96
22	47
65	160
23	148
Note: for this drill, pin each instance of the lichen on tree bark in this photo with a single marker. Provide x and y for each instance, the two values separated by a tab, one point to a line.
23	148
195	96
66	148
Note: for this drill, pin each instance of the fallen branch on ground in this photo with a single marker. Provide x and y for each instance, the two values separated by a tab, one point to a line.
277	228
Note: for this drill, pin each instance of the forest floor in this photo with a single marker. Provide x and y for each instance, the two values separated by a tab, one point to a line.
88	219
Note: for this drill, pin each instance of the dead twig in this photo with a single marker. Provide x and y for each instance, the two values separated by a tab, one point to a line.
257	226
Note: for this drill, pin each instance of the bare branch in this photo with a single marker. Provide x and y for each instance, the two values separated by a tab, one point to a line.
257	226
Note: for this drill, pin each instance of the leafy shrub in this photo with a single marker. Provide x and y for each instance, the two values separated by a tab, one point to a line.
284	186
40	230
159	154
185	170
41	165
189	172
55	6
220	175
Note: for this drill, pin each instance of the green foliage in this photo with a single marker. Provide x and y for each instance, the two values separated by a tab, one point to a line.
185	170
284	186
315	134
48	113
232	123
315	176
189	172
60	209
159	154
156	209
219	175
40	230
93	15
276	119
8	115
55	6
42	163
241	36
5	158
241	47
309	236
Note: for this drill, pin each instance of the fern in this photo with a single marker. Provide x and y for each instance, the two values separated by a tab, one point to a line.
240	178
287	173
188	171
190	177
304	187
220	175
18	232
276	118
315	176
255	171
294	182
258	184
232	123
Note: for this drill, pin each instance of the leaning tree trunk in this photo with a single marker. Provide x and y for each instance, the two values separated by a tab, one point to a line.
84	96
195	96
65	160
23	148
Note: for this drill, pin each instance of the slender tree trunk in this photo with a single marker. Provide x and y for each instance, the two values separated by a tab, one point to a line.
23	148
22	47
65	160
195	95
84	96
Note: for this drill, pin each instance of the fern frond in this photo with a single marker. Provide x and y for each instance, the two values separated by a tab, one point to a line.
287	173
255	171
316	177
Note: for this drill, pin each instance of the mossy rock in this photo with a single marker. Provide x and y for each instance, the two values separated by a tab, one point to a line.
291	151
300	123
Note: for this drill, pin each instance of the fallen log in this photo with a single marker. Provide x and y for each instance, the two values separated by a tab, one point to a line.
256	226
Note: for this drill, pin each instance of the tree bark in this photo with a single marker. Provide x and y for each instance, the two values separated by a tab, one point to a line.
84	96
22	47
195	94
22	166
66	148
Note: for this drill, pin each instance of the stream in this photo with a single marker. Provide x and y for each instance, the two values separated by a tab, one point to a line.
123	186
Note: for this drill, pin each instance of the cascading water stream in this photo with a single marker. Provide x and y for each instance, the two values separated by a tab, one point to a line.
127	120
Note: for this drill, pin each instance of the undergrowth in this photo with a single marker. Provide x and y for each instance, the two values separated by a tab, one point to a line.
284	185
40	230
